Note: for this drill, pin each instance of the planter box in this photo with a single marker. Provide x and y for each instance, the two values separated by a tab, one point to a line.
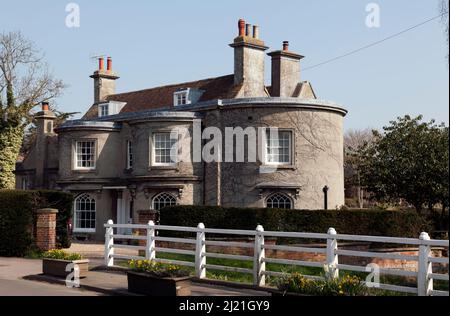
145	284
57	268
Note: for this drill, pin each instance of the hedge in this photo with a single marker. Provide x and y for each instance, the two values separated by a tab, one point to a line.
16	219
355	222
17	213
63	202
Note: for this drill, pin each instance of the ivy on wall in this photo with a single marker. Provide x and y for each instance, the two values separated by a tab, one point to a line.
11	137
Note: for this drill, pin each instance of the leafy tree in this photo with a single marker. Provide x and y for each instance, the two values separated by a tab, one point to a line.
25	81
408	161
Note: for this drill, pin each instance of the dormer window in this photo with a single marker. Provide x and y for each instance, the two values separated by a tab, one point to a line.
187	96
181	98
103	110
110	108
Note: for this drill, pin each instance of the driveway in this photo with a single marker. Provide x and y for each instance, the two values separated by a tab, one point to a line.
12	270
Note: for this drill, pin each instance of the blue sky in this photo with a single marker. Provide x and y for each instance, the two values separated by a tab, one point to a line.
162	42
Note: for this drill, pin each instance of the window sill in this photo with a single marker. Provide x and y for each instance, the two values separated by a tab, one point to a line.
170	167
278	167
84	171
84	231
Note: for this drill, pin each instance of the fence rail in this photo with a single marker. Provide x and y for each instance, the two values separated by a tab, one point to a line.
331	266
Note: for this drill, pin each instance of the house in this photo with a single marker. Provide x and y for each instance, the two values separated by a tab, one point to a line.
123	156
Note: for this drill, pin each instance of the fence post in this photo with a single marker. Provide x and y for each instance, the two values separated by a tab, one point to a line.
424	282
200	252
259	266
109	245
332	256
150	249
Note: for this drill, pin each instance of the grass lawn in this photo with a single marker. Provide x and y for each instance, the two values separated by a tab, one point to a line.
237	276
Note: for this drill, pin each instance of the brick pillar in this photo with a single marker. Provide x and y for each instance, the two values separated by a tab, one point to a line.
143	218
46	229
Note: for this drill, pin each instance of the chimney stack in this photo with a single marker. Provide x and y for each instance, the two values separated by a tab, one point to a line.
44	121
104	81
285	71
249	61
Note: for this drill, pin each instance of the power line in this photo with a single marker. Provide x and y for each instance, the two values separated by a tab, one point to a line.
377	42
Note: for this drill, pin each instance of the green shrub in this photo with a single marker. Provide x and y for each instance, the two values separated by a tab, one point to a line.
63	202
355	222
16	220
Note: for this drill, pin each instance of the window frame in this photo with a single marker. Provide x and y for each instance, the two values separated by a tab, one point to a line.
291	148
181	93
75	214
101	110
129	154
160	195
153	149
24	184
75	154
289	198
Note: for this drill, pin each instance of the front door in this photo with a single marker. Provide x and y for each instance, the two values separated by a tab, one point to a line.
124	211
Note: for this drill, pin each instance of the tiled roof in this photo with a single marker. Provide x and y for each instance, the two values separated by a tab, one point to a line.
162	97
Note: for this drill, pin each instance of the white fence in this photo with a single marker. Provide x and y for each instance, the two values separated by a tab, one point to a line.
425	275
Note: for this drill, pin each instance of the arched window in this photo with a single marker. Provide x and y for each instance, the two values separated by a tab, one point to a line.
279	200
84	215
163	200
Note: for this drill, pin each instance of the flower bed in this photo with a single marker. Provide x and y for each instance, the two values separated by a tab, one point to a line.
296	284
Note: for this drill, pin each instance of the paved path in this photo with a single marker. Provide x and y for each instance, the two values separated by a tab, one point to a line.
95	252
12	271
11	283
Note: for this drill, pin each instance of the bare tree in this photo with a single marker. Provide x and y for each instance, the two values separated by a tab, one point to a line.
25	81
443	9
353	140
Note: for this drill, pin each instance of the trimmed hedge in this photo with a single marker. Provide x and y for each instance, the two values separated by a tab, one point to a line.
17	214
63	202
355	222
16	220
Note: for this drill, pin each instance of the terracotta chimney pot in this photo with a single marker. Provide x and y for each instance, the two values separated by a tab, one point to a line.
109	64
248	29
241	25
45	106
101	62
255	31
